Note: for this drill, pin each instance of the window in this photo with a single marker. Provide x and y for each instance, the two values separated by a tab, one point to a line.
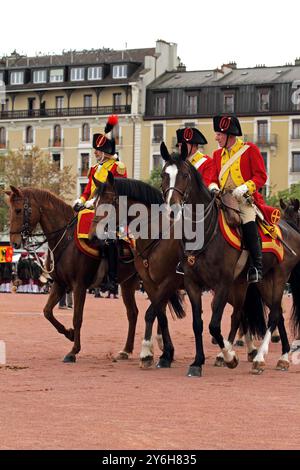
85	164
77	74
56	158
87	101
4	105
17	78
2	137
120	71
95	73
57	75
29	135
115	133
160	106
228	104
263	100
296	162
265	157
262	132
191	104
296	130
117	99
57	135
59	101
1	77
157	161
158	133
39	76
85	132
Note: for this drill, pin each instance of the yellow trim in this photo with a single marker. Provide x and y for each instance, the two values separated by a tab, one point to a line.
251	186
230	234
234	170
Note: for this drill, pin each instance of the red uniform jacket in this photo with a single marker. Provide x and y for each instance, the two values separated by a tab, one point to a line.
205	166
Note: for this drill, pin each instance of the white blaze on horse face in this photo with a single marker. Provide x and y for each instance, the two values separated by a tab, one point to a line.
172	171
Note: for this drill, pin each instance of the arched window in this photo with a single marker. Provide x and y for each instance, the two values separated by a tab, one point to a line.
2	137
85	132
29	135
57	135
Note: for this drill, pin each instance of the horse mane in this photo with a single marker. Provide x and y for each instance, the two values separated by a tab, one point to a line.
45	196
136	190
201	186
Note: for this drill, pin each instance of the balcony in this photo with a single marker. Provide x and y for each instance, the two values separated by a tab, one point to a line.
64	112
269	140
56	143
295	136
4	145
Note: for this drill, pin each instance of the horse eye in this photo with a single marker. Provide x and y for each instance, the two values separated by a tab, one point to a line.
18	211
185	175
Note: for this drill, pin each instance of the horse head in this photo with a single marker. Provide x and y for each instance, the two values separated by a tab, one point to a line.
104	222
24	215
290	212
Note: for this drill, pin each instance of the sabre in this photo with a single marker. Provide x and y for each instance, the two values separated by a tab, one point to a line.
261	217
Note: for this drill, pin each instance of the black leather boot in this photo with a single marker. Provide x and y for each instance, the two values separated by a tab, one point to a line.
253	244
112	257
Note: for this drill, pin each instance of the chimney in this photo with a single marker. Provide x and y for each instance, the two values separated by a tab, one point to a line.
181	67
297	61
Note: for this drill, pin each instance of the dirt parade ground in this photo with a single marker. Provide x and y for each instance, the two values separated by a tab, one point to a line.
98	403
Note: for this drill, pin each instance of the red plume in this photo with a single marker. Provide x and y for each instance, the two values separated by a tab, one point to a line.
113	120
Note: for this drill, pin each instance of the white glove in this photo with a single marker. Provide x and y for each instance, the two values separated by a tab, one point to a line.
89	203
77	201
239	192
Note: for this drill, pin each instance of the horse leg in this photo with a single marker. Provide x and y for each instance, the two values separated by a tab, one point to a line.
195	296
283	363
128	296
146	355
159	338
275	336
55	295
79	299
218	305
167	357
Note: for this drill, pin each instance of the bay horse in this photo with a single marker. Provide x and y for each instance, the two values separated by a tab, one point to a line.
73	270
155	259
213	265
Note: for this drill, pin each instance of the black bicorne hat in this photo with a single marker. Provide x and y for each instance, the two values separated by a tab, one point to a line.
102	142
227	124
190	135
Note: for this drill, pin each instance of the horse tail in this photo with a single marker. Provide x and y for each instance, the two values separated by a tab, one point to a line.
294	282
255	312
175	304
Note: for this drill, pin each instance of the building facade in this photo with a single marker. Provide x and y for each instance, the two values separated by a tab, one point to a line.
266	100
58	102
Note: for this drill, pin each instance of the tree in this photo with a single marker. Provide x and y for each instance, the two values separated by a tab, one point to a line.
292	192
34	168
155	177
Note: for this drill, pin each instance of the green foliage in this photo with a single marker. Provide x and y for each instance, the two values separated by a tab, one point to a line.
155	177
292	192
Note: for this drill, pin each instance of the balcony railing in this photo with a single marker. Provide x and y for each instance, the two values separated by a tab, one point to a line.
65	112
57	143
4	145
295	136
269	140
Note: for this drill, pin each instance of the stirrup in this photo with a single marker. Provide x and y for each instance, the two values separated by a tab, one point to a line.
253	275
179	269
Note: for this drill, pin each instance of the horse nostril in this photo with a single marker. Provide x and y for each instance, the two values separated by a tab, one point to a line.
15	245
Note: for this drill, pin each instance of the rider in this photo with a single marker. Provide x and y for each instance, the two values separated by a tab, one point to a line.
240	168
203	163
107	160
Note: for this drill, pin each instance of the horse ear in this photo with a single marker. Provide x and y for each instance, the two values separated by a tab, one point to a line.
184	151
8	193
282	204
164	152
111	178
16	191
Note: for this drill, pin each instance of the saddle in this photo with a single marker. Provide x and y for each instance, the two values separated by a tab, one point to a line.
230	207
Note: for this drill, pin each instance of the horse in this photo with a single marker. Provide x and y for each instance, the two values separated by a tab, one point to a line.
214	265
155	259
73	270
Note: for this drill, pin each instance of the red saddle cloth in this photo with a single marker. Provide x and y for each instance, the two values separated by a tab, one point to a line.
270	244
85	218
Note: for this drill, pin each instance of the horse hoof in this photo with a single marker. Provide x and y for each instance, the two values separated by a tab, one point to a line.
275	339
213	340
194	371
68	359
146	362
219	362
239	343
252	355
283	365
258	367
122	356
233	364
163	363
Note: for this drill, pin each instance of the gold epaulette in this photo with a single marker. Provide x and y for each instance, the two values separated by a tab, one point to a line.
121	168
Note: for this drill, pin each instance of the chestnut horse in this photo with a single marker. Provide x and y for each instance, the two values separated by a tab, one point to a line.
214	265
73	270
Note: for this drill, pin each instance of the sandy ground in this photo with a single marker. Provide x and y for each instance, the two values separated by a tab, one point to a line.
100	404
